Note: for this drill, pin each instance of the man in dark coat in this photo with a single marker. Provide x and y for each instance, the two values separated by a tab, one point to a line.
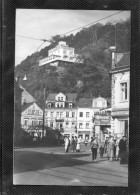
123	150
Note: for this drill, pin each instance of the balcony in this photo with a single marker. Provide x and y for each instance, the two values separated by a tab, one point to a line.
54	58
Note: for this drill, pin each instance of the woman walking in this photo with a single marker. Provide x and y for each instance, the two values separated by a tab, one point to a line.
73	144
78	145
111	148
94	146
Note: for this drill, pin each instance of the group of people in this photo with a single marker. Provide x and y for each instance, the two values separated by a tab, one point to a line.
74	144
114	147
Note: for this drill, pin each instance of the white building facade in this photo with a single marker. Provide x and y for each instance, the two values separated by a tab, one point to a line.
62	53
32	118
61	113
120	89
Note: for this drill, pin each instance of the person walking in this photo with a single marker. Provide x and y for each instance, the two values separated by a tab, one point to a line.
123	150
66	144
111	149
73	144
117	148
94	146
106	145
101	150
78	145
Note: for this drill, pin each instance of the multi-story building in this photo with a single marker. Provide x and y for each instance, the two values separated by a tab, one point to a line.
32	118
61	54
120	85
86	123
61	112
85	116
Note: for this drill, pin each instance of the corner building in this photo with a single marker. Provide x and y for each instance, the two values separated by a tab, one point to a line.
120	89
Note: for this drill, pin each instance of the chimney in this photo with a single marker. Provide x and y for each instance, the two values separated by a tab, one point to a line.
113	50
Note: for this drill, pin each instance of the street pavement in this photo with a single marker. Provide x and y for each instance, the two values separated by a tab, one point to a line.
52	166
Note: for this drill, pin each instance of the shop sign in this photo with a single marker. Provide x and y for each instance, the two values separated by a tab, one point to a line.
59	120
120	113
105	122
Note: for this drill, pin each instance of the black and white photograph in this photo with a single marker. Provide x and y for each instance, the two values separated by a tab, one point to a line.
71	97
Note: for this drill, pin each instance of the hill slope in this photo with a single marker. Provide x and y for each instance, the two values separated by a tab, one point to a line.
92	44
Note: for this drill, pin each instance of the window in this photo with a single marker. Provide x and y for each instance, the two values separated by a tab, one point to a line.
40	122
67	123
37	111
103	104
87	114
49	105
25	122
70	105
73	124
57	114
67	114
58	98
61	98
46	113
95	103
51	124
51	114
34	123
81	114
87	125
29	111
61	114
124	91
73	114
80	125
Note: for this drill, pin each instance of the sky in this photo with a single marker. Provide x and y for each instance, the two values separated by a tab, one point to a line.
44	23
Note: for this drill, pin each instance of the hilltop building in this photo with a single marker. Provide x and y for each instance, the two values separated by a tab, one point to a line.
62	54
120	89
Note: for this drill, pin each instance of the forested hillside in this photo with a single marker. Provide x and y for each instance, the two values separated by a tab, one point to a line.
92	44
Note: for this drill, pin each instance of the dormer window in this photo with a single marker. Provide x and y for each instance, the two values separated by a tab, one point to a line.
95	103
70	105
49	105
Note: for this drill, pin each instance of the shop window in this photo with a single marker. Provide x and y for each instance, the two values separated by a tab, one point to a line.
51	124
81	114
124	91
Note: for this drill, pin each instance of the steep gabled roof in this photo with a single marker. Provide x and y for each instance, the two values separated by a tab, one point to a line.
84	103
26	105
69	96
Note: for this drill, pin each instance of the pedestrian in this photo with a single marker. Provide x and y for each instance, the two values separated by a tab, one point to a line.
78	145
94	146
117	148
66	144
123	150
73	144
111	148
101	150
114	149
106	145
86	142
